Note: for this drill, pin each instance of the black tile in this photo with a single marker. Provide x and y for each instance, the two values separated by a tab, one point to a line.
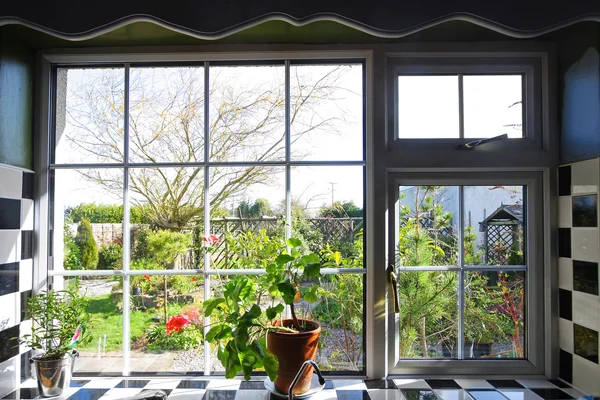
552	394
23	393
10	214
78	382
25	296
9	278
505	384
132	383
585	342
253	385
585	276
191	384
352	395
564	242
442	384
88	394
220	395
379	384
417	394
565	304
486	394
564	180
585	212
28	181
565	366
26	366
10	343
559	383
26	245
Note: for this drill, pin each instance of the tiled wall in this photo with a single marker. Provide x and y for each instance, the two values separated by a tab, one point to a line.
579	300
16	273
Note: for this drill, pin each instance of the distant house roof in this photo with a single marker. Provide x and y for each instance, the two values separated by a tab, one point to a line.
507	213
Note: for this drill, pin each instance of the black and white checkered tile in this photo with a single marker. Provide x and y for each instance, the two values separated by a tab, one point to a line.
338	389
16	272
579	254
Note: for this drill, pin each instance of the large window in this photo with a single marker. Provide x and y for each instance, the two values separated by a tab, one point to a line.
167	180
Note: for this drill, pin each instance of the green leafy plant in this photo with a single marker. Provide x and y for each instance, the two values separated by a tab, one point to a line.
87	245
72	259
249	304
110	257
57	316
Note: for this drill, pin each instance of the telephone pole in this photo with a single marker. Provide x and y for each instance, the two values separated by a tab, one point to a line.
332	185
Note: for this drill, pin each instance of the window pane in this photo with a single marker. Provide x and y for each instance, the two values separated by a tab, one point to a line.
247	113
89	115
87	219
326	112
166	114
428	107
428	314
428	226
494	314
495	218
493	105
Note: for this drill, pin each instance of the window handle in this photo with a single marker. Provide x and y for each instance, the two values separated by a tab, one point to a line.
475	143
393	287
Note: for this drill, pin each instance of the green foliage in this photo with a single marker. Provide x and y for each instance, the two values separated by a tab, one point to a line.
104	214
165	246
258	209
87	245
328	311
72	259
110	257
140	250
187	339
56	316
341	210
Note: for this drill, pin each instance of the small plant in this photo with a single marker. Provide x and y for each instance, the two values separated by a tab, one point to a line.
110	257
87	245
59	323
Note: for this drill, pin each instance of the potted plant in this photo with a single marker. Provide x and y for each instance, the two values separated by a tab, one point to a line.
59	324
251	334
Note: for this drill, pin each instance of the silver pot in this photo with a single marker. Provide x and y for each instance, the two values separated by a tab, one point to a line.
54	376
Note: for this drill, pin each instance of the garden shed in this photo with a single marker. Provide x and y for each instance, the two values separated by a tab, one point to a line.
503	235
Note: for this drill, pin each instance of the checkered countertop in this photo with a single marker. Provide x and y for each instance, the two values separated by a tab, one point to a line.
337	389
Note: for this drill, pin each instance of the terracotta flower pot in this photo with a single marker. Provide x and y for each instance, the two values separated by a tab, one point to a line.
291	350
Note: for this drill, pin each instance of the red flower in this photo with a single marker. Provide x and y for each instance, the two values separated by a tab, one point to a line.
194	278
177	323
211	239
147	277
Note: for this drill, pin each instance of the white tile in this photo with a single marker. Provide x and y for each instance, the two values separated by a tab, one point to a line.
162	384
584	244
584	176
10	311
474	384
11	183
224	384
27	214
252	395
25	275
565	212
565	273
586	310
187	394
384	394
327	394
121	393
411	384
520	394
10	241
452	394
102	383
565	341
25	328
538	383
9	376
586	375
349	384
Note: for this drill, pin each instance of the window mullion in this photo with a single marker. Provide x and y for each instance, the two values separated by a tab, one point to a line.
126	228
461	107
206	260
288	168
461	274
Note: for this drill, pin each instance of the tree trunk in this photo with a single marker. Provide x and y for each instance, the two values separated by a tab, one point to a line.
424	339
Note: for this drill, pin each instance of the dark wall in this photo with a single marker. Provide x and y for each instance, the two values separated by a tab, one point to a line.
17	68
579	105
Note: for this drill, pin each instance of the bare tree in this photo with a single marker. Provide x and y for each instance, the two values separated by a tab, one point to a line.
166	125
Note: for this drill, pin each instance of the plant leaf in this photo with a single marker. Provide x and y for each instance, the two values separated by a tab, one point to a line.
271	366
312	270
294	242
287	290
283	259
272	312
210	305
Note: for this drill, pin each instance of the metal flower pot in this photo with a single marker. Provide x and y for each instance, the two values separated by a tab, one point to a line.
54	376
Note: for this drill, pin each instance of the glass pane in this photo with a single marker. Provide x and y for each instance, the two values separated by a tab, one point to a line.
326	112
166	114
87	219
495	218
493	105
494	314
104	352
247	113
428	314
428	226
247	209
167	322
89	115
428	107
327	206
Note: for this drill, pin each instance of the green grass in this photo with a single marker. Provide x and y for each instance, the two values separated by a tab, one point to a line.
107	320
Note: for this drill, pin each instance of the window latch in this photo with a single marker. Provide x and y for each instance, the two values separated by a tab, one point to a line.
475	143
393	287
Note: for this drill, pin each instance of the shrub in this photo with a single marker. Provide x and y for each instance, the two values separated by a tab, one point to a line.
87	245
141	250
72	260
328	311
110	257
186	339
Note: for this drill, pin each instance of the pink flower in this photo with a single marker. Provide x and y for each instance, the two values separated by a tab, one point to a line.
177	323
211	239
